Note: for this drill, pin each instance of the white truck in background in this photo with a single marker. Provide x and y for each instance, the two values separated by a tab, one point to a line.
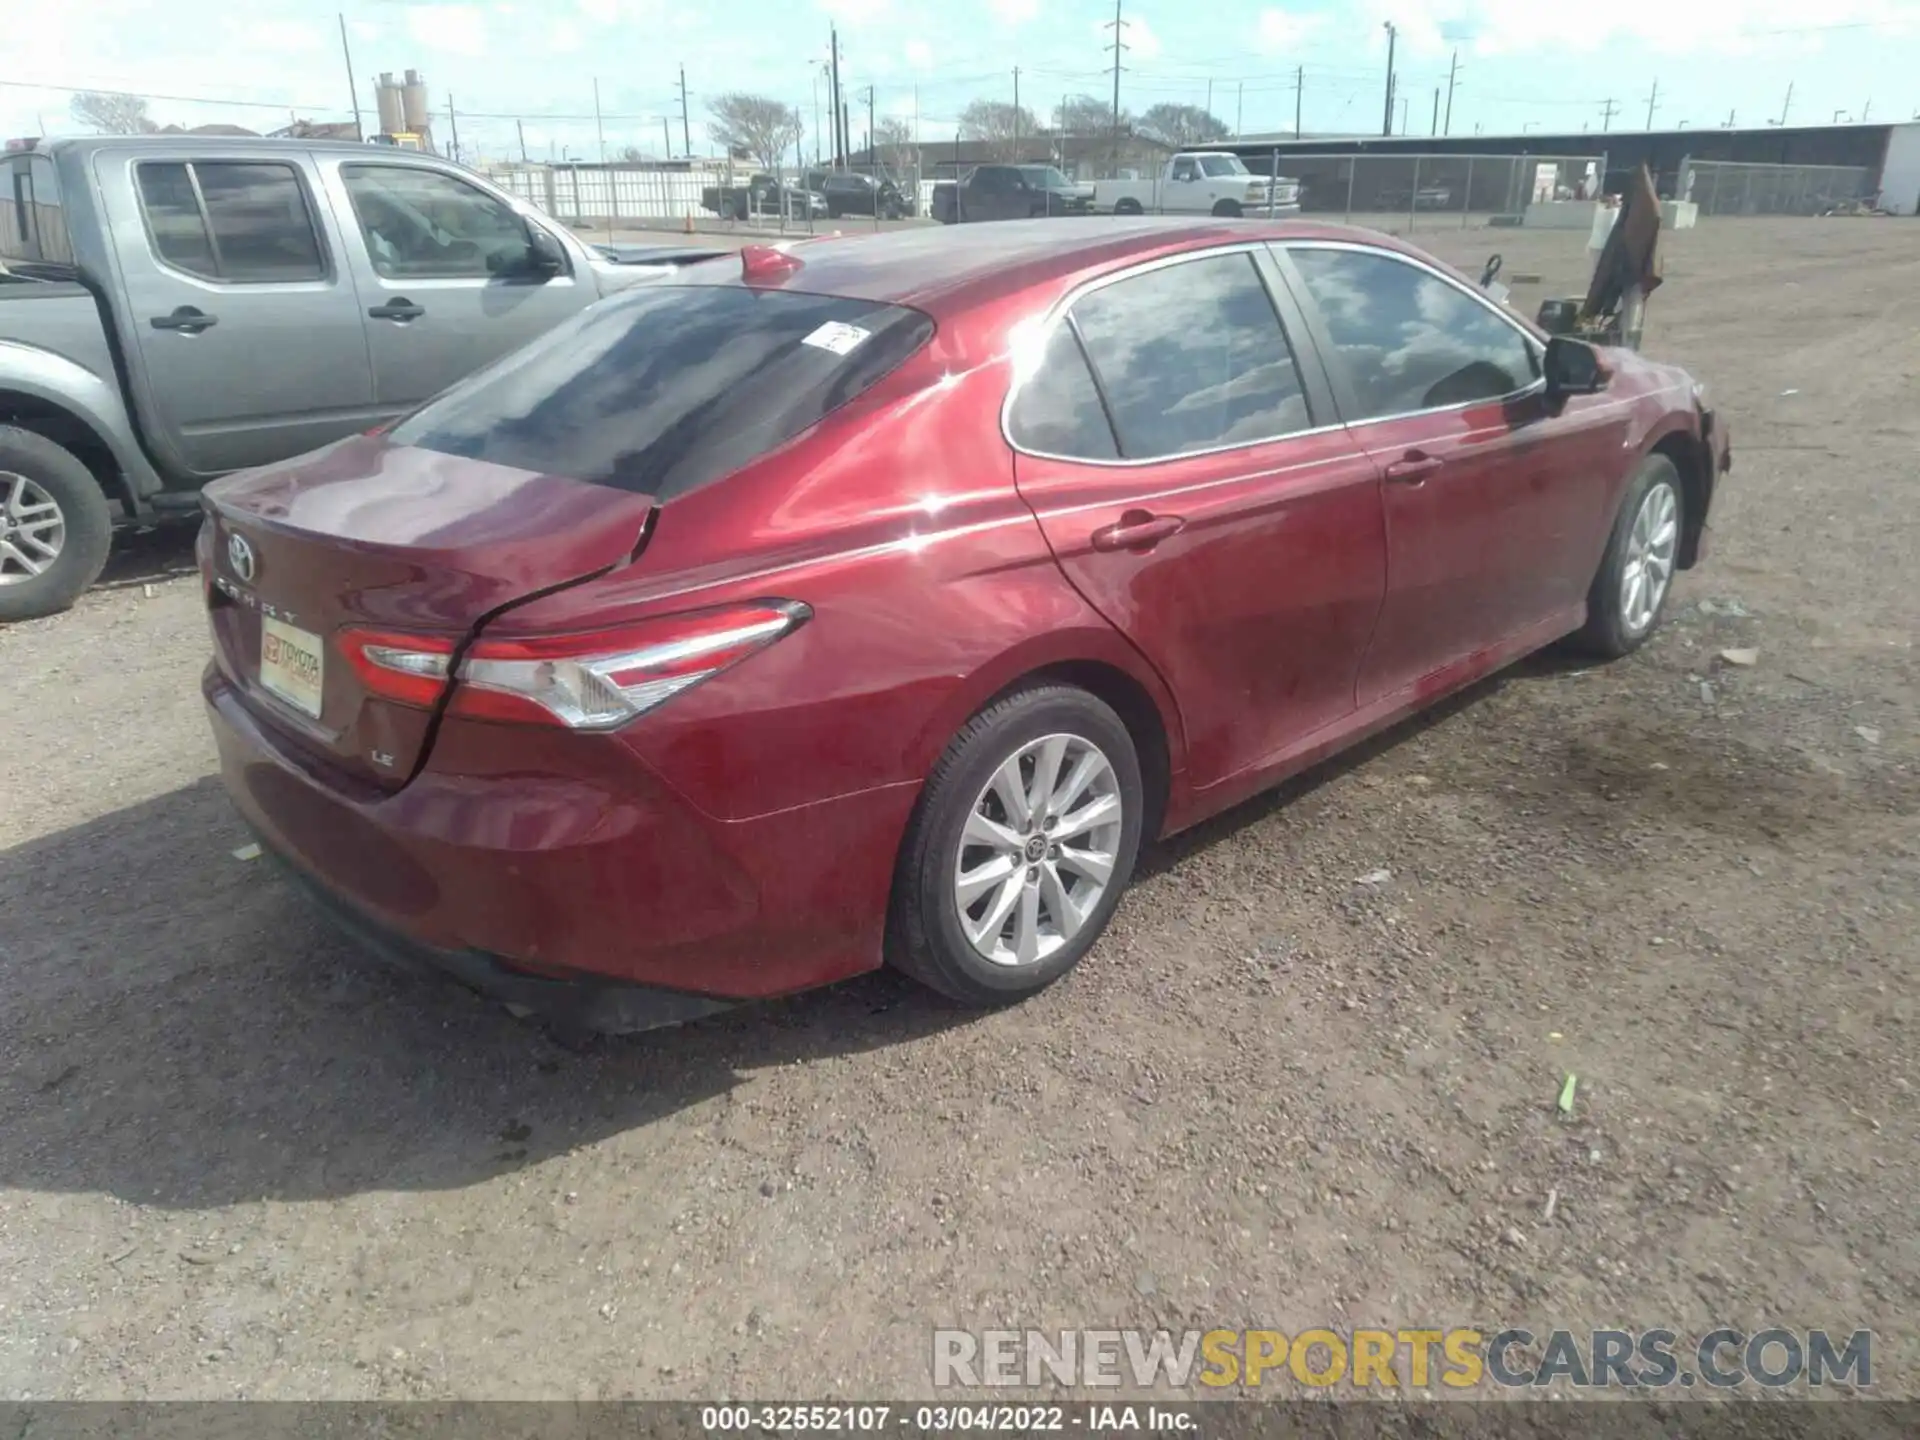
1199	182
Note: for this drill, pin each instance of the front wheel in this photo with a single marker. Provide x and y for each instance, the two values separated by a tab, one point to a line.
55	526
1227	209
1629	593
1128	206
1020	847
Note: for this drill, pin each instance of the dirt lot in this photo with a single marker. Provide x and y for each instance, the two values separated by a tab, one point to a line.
238	1160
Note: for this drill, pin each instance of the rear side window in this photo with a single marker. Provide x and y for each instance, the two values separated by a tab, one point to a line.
1192	357
668	387
231	220
1057	410
33	226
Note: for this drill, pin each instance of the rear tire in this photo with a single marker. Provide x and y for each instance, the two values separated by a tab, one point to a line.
66	546
1629	594
1128	206
991	903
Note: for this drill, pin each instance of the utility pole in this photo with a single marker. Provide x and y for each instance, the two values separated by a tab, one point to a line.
598	128
1239	108
1606	115
1299	88
1653	100
1016	112
520	129
666	138
453	130
352	89
1436	111
1729	119
1787	104
1453	69
1386	123
1209	97
686	128
1118	26
1403	114
871	157
1866	111
833	93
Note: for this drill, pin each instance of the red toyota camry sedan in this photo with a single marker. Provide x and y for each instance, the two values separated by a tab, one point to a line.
875	600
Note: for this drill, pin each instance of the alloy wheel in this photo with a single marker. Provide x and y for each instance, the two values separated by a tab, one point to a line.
1039	849
33	531
1651	547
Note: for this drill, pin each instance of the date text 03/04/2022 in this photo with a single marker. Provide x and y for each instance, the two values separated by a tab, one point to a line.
941	1419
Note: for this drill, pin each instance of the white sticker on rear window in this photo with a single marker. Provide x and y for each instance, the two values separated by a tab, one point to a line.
840	339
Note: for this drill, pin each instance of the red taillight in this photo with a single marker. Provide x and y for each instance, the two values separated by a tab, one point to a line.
406	669
592	681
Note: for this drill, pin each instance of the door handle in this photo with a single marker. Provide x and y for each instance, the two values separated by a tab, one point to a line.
1413	468
1137	530
401	309
186	319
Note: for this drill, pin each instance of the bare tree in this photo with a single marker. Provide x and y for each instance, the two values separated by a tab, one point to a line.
1184	125
1000	125
893	145
759	125
1085	116
113	113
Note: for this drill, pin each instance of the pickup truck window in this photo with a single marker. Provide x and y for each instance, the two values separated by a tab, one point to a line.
238	221
1057	410
420	224
33	225
1409	340
1191	356
1215	165
1186	168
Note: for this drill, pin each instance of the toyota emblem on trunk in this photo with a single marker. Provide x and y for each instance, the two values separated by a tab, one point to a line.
240	557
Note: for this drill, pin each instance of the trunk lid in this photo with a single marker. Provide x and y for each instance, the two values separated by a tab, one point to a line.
372	535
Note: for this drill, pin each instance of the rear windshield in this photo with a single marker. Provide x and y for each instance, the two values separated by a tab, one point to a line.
668	387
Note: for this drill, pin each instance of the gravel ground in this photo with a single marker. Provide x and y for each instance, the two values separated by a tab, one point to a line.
238	1160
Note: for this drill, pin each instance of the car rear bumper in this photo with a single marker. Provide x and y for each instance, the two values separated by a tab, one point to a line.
571	865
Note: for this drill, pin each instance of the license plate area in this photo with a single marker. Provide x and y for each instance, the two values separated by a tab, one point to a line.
292	665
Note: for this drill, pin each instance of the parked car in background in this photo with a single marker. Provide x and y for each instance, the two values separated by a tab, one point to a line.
1009	192
175	307
848	192
763	195
1200	182
881	597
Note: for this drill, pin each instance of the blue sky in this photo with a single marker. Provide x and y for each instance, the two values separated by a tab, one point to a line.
537	60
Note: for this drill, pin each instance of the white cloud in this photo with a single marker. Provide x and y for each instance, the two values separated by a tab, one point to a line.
461	29
1014	12
919	54
563	37
1505	27
855	12
603	11
1143	43
282	37
1281	32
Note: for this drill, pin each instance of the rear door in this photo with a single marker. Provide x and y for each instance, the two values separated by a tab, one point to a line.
1492	495
445	284
1217	519
242	322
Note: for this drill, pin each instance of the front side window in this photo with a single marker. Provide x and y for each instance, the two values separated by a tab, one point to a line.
1192	357
1408	339
668	387
420	224
240	221
1185	170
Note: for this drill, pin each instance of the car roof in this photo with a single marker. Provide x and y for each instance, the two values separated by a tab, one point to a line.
86	144
948	268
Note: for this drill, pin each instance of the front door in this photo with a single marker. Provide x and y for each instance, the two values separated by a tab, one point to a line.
1490	494
446	287
242	320
1215	522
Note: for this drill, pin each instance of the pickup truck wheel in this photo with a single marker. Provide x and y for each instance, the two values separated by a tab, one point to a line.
1227	209
55	526
1128	206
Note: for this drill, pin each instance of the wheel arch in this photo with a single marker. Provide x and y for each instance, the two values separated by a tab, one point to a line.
1688	454
83	431
1104	665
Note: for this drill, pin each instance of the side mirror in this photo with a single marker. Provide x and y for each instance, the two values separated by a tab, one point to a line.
1573	367
544	255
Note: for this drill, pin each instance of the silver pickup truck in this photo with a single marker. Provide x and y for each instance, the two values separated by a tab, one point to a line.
176	307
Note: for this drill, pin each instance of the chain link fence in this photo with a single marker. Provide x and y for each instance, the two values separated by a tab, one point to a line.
1727	187
1406	193
596	199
